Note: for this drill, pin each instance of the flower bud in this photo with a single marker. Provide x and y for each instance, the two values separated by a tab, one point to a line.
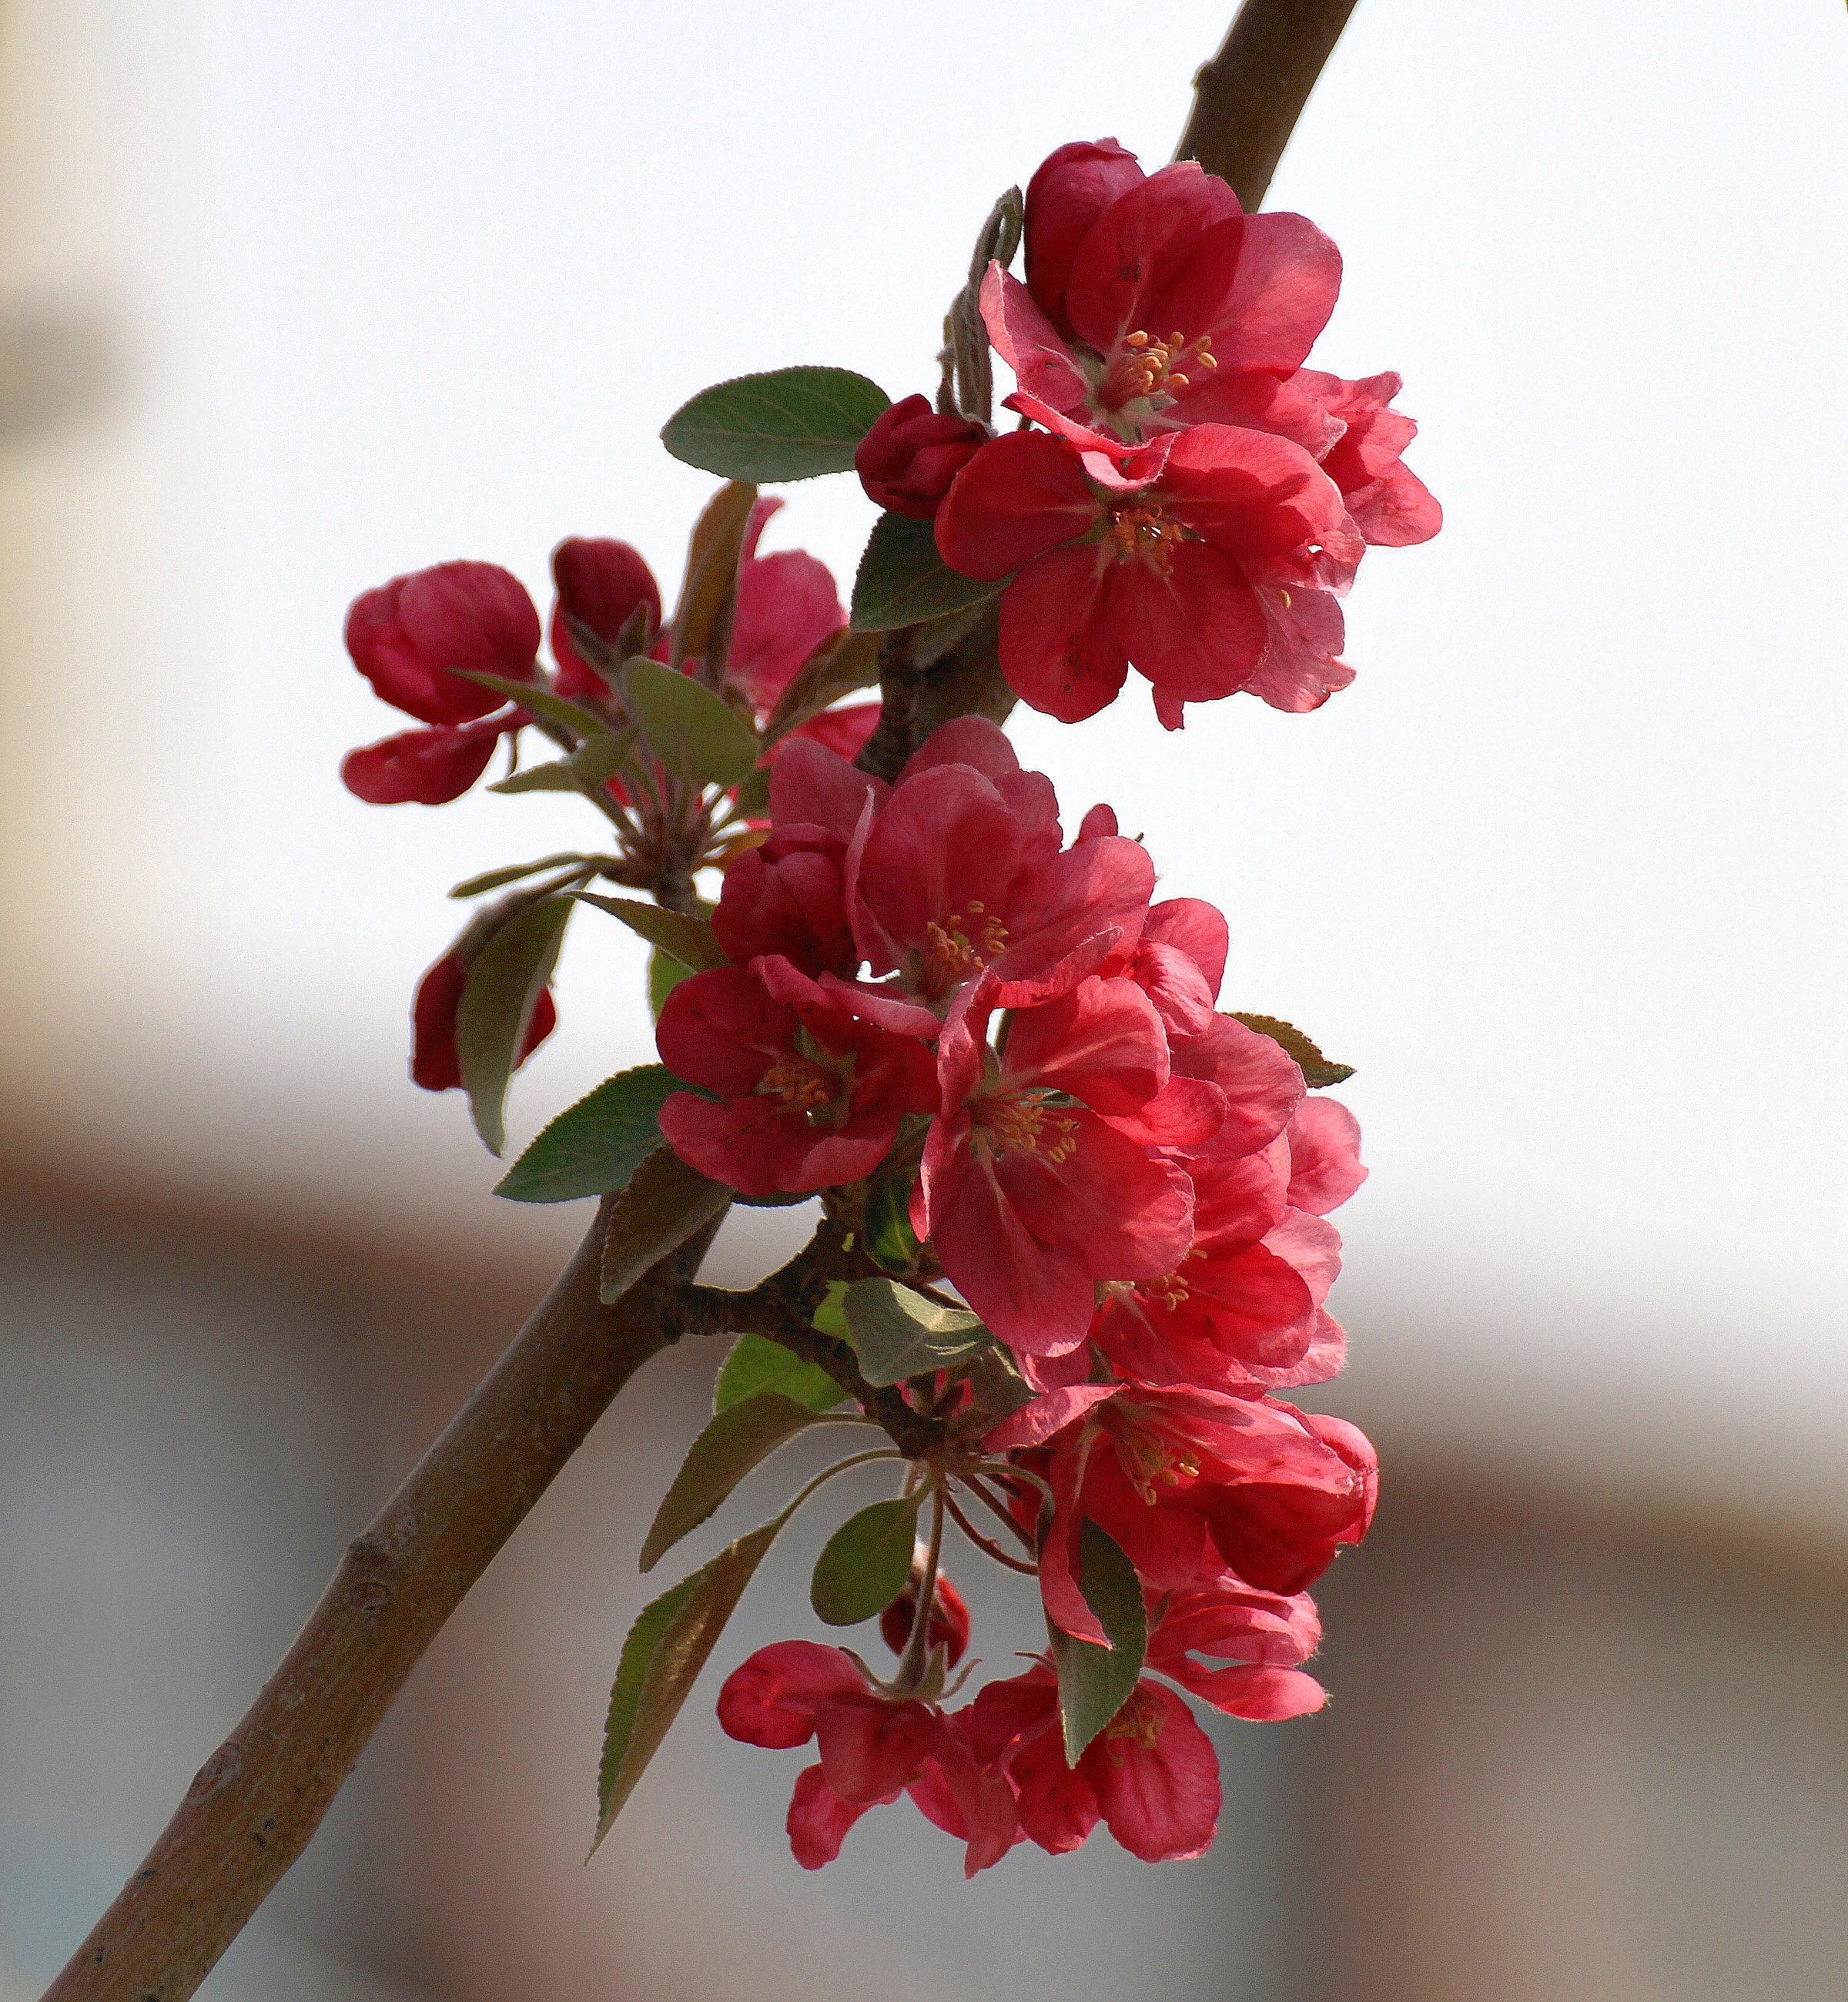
433	1063
907	460
948	1619
430	766
406	636
602	584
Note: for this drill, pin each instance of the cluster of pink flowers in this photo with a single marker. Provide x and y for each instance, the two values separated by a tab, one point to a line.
1196	501
1129	1187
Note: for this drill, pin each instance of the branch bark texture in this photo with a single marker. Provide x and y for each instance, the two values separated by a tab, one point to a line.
1247	99
259	1798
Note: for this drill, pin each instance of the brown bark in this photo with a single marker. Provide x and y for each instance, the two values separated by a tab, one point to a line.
1247	99
261	1795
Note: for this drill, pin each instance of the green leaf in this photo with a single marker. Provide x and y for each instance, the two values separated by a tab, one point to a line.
697	735
756	1363
1317	1072
665	973
789	423
752	794
708	596
537	700
1095	1683
505	980
663	1202
593	1147
843	662
595	762
903	581
897	1334
829	1317
688	939
863	1565
891	1241
737	1439
666	1649
492	879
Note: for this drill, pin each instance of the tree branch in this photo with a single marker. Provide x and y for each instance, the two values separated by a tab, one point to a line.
261	1795
1247	99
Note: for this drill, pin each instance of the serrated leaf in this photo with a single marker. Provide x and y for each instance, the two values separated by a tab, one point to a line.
864	1564
663	1202
1095	1683
891	1241
696	735
595	762
897	1333
756	1363
1318	1072
903	581
666	1649
843	662
736	1440
788	423
492	879
504	983
688	938
665	973
592	1148
537	700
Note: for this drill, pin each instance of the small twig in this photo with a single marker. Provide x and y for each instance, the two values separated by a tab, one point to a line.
1247	99
986	1544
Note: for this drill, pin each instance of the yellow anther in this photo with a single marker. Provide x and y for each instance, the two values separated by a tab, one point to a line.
802	1086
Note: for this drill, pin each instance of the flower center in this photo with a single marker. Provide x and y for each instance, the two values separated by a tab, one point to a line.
1169	1291
963	942
1143	529
1138	1722
803	1085
1147	367
1024	1120
1147	1457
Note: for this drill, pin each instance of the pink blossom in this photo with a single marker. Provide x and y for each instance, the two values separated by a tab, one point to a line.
1259	1638
1153	302
810	1093
1191	1482
1391	506
872	1747
1174	557
960	870
1150	1775
1029	1192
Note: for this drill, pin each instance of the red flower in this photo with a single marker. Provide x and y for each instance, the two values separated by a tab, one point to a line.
1260	1637
948	1619
788	896
1173	556
1029	1191
601	583
872	1748
433	1064
430	766
1391	506
406	636
1153	302
811	1092
961	870
1192	1483
1150	1775
907	460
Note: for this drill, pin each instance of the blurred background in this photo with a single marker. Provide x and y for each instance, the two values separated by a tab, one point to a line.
292	300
